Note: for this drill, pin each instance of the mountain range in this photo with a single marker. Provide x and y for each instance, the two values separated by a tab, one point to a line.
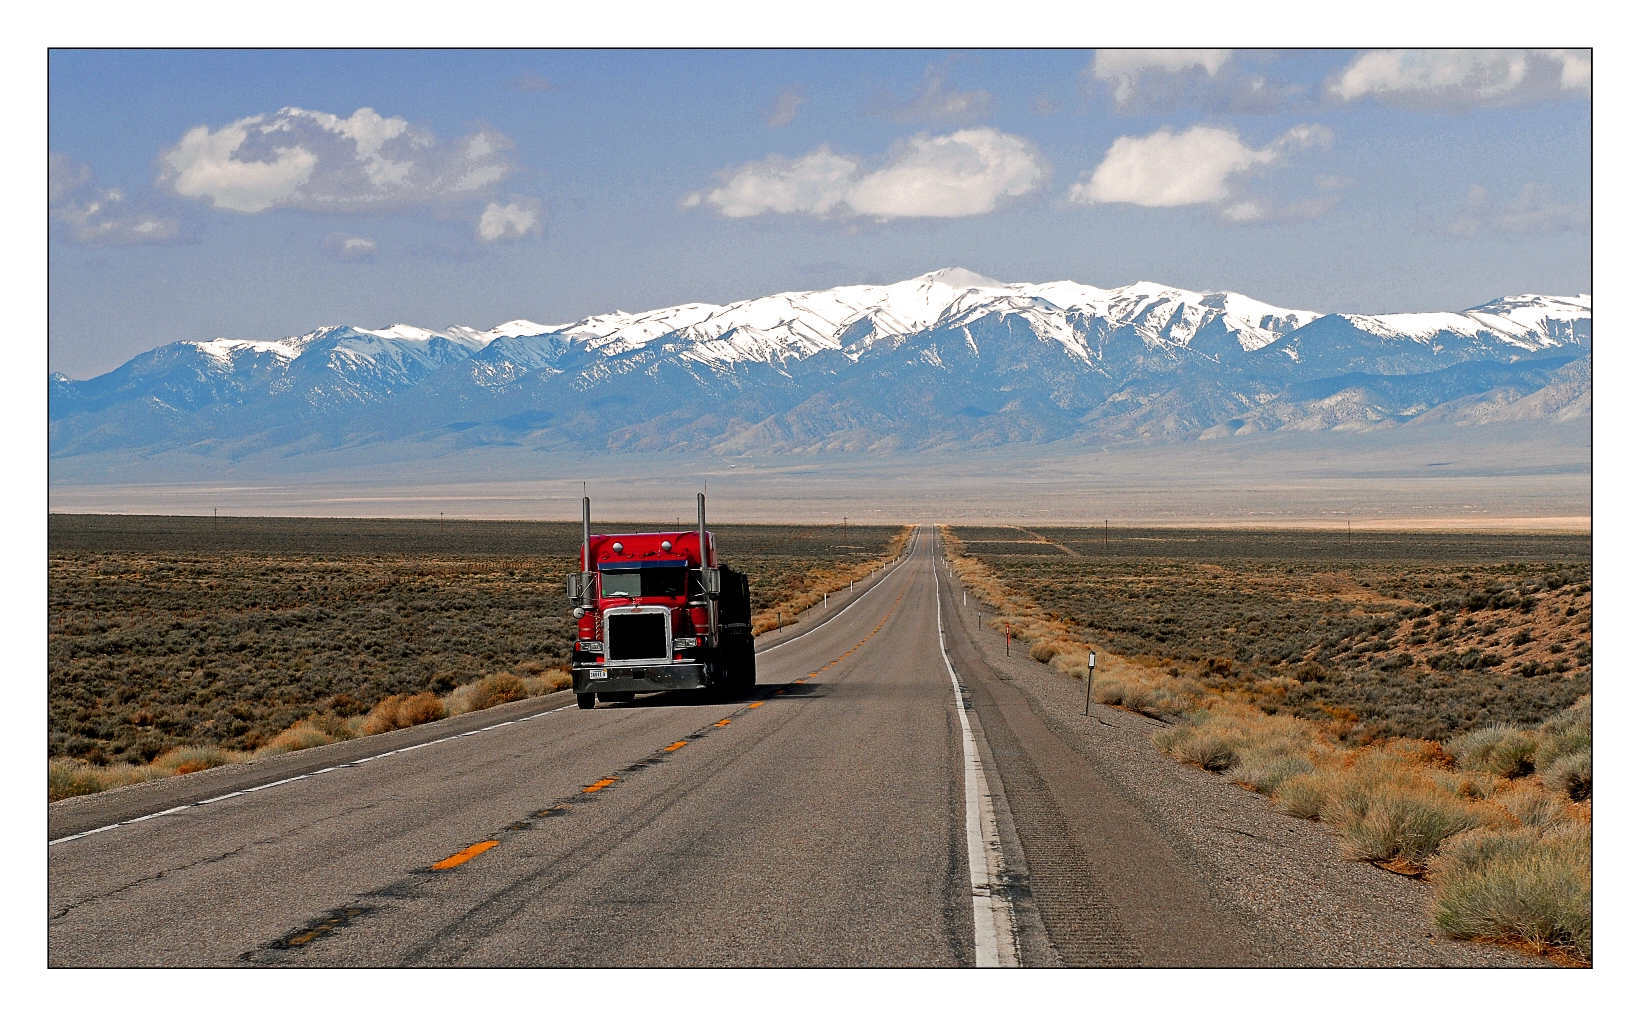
942	362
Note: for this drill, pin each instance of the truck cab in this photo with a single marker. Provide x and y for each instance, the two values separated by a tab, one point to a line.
657	612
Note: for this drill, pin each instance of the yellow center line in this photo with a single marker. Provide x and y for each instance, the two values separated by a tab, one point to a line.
462	857
601	784
675	747
754	705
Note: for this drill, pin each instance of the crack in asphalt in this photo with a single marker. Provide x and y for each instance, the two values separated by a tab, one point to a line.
200	861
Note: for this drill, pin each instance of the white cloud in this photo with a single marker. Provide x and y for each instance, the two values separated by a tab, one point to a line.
815	183
1460	78
967	172
87	214
518	218
298	158
1122	68
785	107
1193	167
1166	169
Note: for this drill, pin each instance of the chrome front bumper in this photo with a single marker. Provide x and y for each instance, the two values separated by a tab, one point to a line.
673	677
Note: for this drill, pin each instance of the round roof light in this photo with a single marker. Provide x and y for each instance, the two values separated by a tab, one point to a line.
617	548
666	544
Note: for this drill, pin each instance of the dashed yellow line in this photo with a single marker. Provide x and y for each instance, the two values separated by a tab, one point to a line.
463	856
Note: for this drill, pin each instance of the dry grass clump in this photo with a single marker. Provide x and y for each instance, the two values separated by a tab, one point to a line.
494	690
195	759
72	777
300	735
498	689
398	711
1565	753
1572	775
1532	884
1499	748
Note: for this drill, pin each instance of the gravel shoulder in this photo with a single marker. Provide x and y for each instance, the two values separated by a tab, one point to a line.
1135	859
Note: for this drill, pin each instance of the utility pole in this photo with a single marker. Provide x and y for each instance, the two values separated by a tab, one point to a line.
1107	536
213	518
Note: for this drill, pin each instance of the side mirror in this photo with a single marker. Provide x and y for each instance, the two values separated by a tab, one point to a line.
711	582
579	586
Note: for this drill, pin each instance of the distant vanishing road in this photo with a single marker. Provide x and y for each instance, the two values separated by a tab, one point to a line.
854	812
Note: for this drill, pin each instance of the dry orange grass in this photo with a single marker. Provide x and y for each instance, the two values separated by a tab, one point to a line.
1508	851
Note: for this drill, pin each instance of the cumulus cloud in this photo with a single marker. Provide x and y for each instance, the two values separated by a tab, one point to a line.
784	110
967	172
1165	170
1463	78
344	248
298	158
1533	210
935	104
1163	80
518	218
1195	167
84	213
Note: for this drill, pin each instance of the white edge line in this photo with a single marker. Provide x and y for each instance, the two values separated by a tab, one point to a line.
993	914
299	776
886	572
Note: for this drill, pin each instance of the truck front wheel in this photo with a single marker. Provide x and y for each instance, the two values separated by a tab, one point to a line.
586	701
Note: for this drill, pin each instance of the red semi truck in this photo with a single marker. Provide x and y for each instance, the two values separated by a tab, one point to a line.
658	612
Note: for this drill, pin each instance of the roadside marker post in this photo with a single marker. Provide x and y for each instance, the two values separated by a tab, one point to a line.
1008	640
1087	706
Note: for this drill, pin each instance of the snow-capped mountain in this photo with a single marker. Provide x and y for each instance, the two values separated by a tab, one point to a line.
944	360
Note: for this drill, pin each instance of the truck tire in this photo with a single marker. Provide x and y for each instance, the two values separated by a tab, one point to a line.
746	678
586	701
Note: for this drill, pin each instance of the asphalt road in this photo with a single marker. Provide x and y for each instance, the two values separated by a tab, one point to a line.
821	822
854	812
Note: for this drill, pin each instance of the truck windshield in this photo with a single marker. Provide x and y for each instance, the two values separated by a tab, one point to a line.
646	582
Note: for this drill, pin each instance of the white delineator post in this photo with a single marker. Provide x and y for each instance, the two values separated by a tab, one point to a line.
1087	707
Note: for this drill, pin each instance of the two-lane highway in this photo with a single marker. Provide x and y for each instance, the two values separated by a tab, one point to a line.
825	821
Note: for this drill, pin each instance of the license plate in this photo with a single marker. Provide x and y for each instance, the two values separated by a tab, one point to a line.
598	675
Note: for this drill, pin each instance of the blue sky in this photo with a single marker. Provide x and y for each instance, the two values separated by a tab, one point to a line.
198	194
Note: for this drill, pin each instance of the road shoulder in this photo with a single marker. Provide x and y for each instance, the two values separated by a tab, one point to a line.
1135	858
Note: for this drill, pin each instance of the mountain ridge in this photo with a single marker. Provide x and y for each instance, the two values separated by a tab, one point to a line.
945	360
